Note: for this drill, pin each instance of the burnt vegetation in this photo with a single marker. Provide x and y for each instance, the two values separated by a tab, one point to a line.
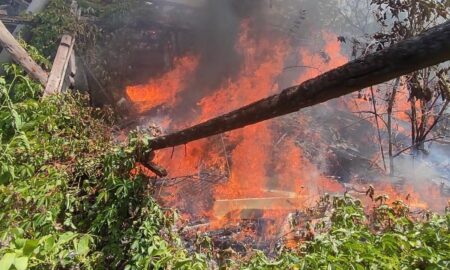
90	178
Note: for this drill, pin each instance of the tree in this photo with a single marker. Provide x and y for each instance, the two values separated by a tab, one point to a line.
427	88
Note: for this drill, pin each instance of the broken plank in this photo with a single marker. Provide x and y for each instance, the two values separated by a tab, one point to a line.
59	68
223	207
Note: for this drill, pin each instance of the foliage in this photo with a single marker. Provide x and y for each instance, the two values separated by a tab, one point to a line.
104	33
428	96
68	199
56	20
404	19
427	90
114	13
389	239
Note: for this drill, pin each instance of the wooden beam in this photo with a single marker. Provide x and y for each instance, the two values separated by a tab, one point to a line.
34	7
223	207
191	4
7	19
20	56
59	68
428	49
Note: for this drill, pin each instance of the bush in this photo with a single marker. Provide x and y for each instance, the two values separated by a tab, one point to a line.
68	199
390	239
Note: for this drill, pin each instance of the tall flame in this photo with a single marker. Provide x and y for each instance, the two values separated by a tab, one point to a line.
256	80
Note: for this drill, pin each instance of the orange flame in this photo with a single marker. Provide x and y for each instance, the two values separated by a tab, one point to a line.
328	58
251	157
262	171
163	90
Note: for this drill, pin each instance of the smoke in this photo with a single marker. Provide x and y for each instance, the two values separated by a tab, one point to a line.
432	164
214	33
337	141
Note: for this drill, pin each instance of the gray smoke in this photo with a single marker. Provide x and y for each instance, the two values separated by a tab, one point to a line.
215	33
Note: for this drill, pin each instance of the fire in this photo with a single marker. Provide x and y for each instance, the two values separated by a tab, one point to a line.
260	176
328	58
189	160
260	173
401	107
163	90
296	173
263	62
267	173
252	153
425	195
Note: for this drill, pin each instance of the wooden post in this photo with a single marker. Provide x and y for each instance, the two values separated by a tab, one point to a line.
59	68
20	56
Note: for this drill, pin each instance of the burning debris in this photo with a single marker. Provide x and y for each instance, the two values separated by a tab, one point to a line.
245	188
250	230
263	186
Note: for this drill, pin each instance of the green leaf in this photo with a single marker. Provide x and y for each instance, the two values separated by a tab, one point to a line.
6	173
83	245
21	263
24	140
30	246
20	243
17	119
7	261
5	178
49	243
66	237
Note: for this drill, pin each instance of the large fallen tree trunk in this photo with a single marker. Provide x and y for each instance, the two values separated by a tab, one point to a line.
430	48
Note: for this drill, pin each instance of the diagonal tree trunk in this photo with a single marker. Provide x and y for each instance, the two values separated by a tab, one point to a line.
20	56
428	49
34	7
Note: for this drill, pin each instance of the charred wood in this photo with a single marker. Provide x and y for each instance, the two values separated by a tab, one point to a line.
156	169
